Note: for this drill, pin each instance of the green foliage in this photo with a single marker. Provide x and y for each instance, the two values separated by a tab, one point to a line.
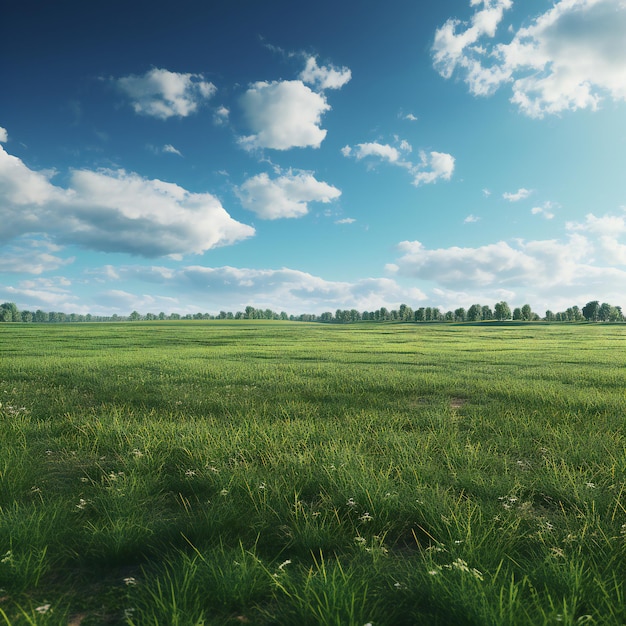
274	473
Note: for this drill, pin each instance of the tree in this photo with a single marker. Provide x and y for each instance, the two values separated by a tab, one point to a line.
527	313
475	313
549	316
591	311
604	312
487	313
9	312
502	311
517	313
134	316
460	315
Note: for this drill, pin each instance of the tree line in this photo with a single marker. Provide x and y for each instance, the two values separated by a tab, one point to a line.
593	311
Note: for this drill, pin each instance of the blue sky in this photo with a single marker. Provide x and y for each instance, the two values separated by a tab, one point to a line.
200	156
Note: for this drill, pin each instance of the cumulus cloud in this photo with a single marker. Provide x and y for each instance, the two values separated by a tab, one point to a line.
285	196
112	211
518	195
162	94
471	219
283	114
587	263
345	220
433	166
324	77
221	115
569	57
385	152
430	168
4	136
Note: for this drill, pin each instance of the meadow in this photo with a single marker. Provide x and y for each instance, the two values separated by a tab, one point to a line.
278	473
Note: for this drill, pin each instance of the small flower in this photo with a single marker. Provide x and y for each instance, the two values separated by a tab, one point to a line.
262	487
82	503
190	473
366	517
84	479
35	490
458	541
351	502
136	452
399	585
7	558
590	485
44	608
557	552
433	572
315	514
130	581
224	492
361	540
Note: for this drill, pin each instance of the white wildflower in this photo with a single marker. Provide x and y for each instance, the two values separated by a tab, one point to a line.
130	581
284	564
351	502
190	473
366	517
44	608
224	492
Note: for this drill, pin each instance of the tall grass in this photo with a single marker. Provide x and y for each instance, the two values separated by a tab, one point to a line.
277	473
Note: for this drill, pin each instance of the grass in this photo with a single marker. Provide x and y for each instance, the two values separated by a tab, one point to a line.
286	473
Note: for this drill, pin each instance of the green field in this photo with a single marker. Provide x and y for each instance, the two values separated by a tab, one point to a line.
192	473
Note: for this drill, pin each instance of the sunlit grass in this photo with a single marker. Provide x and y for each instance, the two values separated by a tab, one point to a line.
279	473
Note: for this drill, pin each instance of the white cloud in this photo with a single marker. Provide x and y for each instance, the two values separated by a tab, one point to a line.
384	152
4	136
345	220
588	263
545	210
410	117
285	196
231	288
570	57
31	256
471	219
283	115
520	194
221	115
168	148
486	193
433	166
324	77
112	211
162	94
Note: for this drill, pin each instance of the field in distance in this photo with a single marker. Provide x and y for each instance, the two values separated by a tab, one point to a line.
277	473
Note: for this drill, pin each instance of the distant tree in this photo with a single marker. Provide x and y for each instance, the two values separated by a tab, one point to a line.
135	316
475	313
549	317
41	316
420	314
27	316
449	316
577	314
517	313
9	312
487	312
527	313
591	311
604	312
502	311
460	315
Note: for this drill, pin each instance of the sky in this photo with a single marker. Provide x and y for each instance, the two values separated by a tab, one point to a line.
199	156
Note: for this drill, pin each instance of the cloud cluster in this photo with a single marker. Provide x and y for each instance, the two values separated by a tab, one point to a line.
210	289
324	77
162	94
567	58
4	136
589	262
112	211
287	195
432	166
